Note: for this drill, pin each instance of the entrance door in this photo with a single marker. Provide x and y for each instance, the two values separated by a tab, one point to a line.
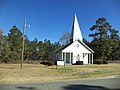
78	57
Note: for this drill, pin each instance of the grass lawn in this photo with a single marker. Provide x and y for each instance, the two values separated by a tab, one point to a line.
11	73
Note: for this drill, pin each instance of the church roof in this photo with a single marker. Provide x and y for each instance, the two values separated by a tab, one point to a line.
82	43
62	48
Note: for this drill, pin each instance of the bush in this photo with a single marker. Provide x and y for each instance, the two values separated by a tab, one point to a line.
43	62
98	62
105	62
79	62
50	63
5	59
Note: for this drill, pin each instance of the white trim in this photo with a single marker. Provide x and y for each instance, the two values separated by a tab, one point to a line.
89	58
62	55
65	58
92	58
70	57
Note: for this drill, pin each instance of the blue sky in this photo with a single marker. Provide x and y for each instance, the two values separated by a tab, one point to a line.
49	19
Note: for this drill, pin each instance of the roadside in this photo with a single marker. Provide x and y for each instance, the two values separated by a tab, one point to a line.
33	73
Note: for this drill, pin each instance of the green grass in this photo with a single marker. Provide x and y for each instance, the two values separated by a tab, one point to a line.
11	73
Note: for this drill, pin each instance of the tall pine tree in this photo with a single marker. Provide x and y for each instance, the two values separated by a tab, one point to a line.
102	42
15	43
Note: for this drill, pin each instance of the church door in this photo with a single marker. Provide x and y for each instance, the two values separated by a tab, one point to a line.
78	57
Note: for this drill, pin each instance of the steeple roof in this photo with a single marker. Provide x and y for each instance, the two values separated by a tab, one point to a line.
76	32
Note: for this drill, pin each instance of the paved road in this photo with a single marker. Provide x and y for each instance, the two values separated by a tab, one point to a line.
97	84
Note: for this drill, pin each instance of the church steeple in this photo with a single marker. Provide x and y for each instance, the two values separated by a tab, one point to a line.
76	32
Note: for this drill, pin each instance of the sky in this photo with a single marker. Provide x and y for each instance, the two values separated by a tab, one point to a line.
49	19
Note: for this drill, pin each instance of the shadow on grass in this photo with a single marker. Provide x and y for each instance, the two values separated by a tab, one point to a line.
86	87
27	88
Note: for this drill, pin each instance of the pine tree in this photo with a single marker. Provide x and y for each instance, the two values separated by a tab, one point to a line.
34	49
1	43
15	43
101	40
114	37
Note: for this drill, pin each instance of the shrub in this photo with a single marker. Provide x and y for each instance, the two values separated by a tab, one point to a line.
105	62
98	62
50	63
74	64
43	62
79	62
5	59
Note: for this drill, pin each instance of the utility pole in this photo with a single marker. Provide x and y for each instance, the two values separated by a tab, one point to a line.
24	29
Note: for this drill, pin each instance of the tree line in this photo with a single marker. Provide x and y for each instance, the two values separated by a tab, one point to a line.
11	47
105	43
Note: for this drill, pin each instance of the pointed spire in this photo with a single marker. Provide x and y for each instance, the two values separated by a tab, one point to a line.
76	32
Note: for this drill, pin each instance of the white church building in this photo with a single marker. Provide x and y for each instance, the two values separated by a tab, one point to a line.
76	50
